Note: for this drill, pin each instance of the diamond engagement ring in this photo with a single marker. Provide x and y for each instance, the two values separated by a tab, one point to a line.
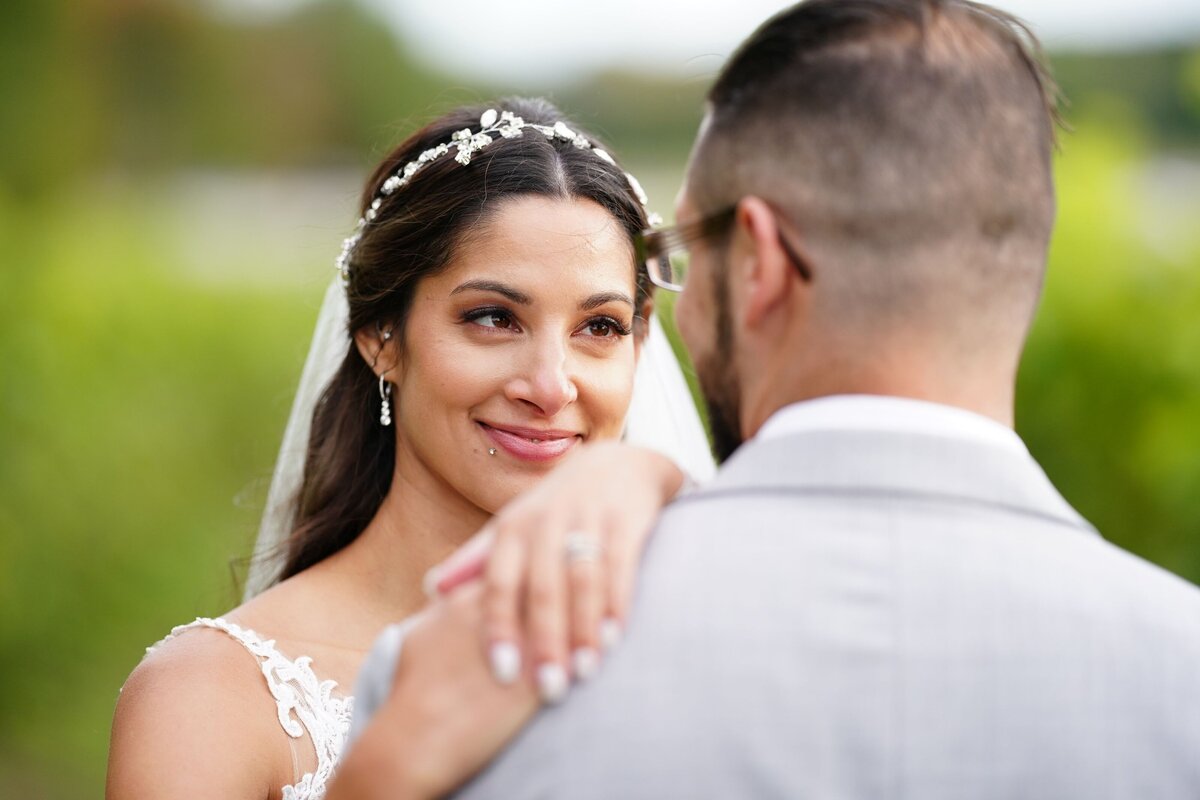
581	546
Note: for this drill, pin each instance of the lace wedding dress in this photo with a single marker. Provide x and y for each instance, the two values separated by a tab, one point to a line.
303	702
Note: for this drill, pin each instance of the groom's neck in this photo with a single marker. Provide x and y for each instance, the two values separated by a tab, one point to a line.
977	385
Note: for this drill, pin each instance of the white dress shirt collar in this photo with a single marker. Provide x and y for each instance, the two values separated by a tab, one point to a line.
860	412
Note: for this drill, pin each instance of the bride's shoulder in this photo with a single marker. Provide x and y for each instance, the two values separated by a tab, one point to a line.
194	710
205	657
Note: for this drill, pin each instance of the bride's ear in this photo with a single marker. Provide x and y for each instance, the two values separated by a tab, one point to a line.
378	347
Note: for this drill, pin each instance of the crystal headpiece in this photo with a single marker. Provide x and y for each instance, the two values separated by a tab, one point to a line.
466	144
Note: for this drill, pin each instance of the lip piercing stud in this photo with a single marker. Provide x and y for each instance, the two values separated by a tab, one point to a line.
491	451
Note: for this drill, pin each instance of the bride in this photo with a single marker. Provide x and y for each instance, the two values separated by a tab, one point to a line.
496	321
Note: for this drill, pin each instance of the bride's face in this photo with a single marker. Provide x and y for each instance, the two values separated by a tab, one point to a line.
518	352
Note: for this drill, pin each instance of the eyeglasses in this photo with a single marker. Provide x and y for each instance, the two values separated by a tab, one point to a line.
664	250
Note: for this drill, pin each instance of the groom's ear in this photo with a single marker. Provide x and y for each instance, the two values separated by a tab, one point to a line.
765	269
378	346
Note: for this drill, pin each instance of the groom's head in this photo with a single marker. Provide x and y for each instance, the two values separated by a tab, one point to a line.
889	163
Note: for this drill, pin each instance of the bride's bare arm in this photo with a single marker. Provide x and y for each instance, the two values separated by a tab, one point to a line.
445	716
193	721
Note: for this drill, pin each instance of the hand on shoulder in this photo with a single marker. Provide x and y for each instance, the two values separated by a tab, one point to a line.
559	562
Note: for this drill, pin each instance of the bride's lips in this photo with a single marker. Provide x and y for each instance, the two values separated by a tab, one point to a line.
530	444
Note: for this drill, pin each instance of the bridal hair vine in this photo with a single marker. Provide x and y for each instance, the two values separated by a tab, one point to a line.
465	145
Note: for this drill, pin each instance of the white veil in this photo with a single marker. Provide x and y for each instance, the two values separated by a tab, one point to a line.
661	416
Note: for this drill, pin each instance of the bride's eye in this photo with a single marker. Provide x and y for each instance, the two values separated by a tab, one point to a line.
606	328
491	318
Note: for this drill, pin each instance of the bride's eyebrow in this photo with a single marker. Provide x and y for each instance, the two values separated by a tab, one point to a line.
600	298
505	290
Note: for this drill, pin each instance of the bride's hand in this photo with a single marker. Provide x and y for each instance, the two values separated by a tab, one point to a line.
558	563
444	718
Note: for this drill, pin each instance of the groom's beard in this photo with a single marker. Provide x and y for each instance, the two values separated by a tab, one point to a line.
719	381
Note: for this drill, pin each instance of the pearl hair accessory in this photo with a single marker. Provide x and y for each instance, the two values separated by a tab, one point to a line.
466	144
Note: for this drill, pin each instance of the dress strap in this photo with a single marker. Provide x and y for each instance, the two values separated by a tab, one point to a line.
303	702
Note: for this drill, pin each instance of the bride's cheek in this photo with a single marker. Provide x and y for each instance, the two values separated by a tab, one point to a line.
611	391
461	366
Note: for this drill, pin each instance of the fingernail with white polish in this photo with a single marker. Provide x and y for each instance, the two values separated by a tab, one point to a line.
585	661
610	633
552	683
506	662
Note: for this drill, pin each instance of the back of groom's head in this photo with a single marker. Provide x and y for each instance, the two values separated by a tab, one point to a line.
909	142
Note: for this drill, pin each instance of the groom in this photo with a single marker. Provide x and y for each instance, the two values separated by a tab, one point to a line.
880	594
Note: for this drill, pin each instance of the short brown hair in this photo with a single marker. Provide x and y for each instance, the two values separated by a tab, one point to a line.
909	141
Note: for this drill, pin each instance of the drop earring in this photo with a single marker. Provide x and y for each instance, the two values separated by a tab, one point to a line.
385	402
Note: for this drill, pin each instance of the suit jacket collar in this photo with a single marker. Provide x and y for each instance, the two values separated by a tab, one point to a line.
894	464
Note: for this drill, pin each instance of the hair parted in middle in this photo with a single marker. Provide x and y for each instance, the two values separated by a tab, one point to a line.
414	233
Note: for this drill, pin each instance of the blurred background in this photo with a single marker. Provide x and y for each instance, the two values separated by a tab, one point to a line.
175	181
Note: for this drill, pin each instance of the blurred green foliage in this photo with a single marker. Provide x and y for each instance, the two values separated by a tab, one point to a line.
147	365
1109	393
1164	85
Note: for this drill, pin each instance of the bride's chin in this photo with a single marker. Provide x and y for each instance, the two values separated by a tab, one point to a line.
509	488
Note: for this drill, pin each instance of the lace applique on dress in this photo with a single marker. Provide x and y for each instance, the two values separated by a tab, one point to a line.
303	703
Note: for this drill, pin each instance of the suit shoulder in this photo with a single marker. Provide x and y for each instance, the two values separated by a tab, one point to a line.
1169	598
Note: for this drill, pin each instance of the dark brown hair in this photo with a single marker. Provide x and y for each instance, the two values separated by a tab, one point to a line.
350	459
909	142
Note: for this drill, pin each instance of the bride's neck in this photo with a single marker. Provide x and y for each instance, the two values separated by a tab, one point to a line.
418	525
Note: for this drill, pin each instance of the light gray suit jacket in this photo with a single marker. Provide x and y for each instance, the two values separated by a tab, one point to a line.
874	615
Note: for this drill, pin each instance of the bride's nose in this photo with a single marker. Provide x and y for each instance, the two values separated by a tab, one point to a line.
543	377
